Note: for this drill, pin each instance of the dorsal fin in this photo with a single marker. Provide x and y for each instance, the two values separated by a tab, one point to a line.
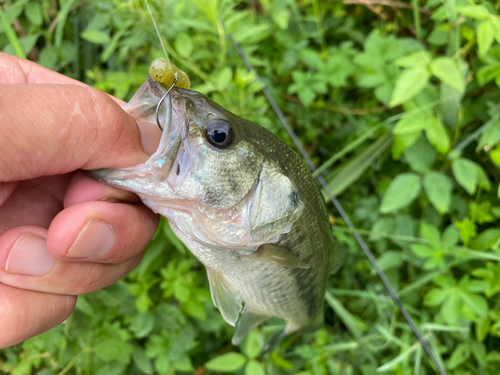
225	298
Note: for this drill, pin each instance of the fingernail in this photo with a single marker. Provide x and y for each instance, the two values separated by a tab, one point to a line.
94	240
29	256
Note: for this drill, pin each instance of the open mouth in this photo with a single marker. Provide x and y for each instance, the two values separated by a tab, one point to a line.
171	116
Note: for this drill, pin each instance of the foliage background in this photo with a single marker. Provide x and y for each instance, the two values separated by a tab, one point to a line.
398	101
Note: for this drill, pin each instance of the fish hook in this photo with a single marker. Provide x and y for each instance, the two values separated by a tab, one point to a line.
161	101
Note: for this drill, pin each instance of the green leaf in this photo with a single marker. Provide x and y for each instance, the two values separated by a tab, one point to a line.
401	192
482	178
459	356
450	235
142	362
49	57
430	233
280	361
383	226
437	135
467	229
142	324
465	172
495	27
229	362
184	44
412	122
416	59
421	155
253	346
184	364
143	302
484	36
163	364
389	260
96	36
476	303
434	297
448	72
110	349
222	78
486	240
438	188
479	352
255	368
490	136
474	11
34	14
482	328
451	308
422	251
281	17
409	84
402	142
112	368
83	305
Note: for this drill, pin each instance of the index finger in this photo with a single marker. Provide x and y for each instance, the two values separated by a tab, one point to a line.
17	70
55	129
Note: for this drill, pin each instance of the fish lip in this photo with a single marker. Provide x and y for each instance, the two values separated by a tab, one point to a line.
160	163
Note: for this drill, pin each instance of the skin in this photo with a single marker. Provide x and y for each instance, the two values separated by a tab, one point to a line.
52	126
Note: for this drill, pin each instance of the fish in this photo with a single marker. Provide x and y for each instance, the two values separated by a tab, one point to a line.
243	202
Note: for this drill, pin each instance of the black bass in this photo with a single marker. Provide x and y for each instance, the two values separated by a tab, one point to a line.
245	205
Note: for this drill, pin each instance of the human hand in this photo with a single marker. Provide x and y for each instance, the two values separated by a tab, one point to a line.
61	233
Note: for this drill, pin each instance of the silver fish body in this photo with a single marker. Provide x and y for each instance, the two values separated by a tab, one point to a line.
246	207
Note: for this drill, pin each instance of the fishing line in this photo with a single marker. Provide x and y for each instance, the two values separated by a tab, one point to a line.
336	203
156	28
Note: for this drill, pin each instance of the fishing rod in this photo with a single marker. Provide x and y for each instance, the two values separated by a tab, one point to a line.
335	201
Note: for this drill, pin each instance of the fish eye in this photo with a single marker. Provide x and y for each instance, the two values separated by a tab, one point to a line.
220	134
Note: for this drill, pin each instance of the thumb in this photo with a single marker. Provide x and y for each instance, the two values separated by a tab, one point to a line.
54	129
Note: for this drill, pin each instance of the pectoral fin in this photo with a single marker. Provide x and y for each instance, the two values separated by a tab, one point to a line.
272	253
227	300
246	324
275	206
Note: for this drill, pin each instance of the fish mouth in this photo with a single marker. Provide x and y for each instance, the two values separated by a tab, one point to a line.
172	116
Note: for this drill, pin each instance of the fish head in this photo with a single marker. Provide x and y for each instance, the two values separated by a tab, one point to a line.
213	174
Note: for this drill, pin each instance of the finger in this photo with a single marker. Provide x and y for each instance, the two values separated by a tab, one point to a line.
82	189
31	203
26	263
17	70
99	232
27	313
64	128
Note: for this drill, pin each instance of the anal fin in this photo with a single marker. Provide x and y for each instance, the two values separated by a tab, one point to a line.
272	253
225	298
246	324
